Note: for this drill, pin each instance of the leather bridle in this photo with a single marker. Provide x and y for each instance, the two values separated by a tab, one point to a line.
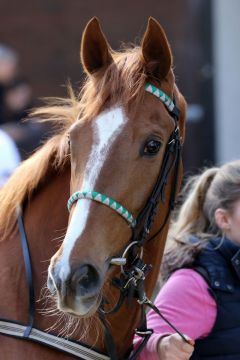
131	281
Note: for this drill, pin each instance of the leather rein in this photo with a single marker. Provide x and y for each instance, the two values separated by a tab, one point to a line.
133	268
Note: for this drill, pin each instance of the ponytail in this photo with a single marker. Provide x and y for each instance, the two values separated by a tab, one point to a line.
195	221
190	220
191	217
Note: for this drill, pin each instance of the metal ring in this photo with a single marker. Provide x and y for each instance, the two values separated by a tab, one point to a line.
126	251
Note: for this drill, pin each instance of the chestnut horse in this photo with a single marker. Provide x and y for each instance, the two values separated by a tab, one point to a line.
110	146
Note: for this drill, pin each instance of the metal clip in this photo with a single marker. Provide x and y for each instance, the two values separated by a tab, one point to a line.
139	273
118	261
145	300
132	279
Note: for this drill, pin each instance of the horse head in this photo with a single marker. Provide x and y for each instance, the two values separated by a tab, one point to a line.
117	148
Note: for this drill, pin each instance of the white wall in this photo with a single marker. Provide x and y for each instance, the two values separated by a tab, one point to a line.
226	47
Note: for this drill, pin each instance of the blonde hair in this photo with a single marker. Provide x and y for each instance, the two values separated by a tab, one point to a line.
204	194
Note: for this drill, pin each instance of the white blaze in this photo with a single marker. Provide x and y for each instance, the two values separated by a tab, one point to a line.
106	128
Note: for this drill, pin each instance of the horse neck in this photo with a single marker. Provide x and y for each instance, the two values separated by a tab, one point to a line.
45	218
45	221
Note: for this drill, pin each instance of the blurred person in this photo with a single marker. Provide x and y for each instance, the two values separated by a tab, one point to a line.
8	71
201	274
9	157
17	100
27	135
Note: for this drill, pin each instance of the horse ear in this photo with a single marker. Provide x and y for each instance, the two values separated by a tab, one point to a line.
156	50
95	51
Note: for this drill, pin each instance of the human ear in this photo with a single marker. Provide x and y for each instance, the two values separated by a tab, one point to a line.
223	219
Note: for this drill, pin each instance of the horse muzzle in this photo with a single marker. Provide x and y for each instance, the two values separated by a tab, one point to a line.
79	293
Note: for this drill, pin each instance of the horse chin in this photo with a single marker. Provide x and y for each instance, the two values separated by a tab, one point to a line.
81	308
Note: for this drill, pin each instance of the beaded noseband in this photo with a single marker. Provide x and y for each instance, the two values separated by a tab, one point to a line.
105	200
97	196
166	100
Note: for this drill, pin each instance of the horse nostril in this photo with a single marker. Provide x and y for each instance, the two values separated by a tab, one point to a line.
85	280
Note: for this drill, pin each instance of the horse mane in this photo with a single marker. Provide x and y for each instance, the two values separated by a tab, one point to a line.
122	82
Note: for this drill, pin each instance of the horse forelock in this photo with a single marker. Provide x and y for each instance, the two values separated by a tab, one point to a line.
122	81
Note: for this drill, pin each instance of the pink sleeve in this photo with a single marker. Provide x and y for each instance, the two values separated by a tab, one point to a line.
185	301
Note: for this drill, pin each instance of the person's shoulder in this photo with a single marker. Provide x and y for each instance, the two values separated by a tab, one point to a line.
188	276
186	296
185	282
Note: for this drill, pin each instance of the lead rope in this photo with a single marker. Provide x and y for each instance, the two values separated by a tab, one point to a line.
136	281
157	311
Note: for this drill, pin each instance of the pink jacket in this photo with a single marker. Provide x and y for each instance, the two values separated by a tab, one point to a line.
186	302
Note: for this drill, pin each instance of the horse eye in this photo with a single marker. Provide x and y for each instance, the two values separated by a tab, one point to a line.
151	147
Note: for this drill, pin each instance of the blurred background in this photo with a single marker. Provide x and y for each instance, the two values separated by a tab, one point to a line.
39	52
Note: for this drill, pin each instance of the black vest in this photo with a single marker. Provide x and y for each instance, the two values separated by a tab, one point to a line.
220	266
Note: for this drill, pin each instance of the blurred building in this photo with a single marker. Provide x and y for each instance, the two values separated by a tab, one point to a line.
204	39
226	46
